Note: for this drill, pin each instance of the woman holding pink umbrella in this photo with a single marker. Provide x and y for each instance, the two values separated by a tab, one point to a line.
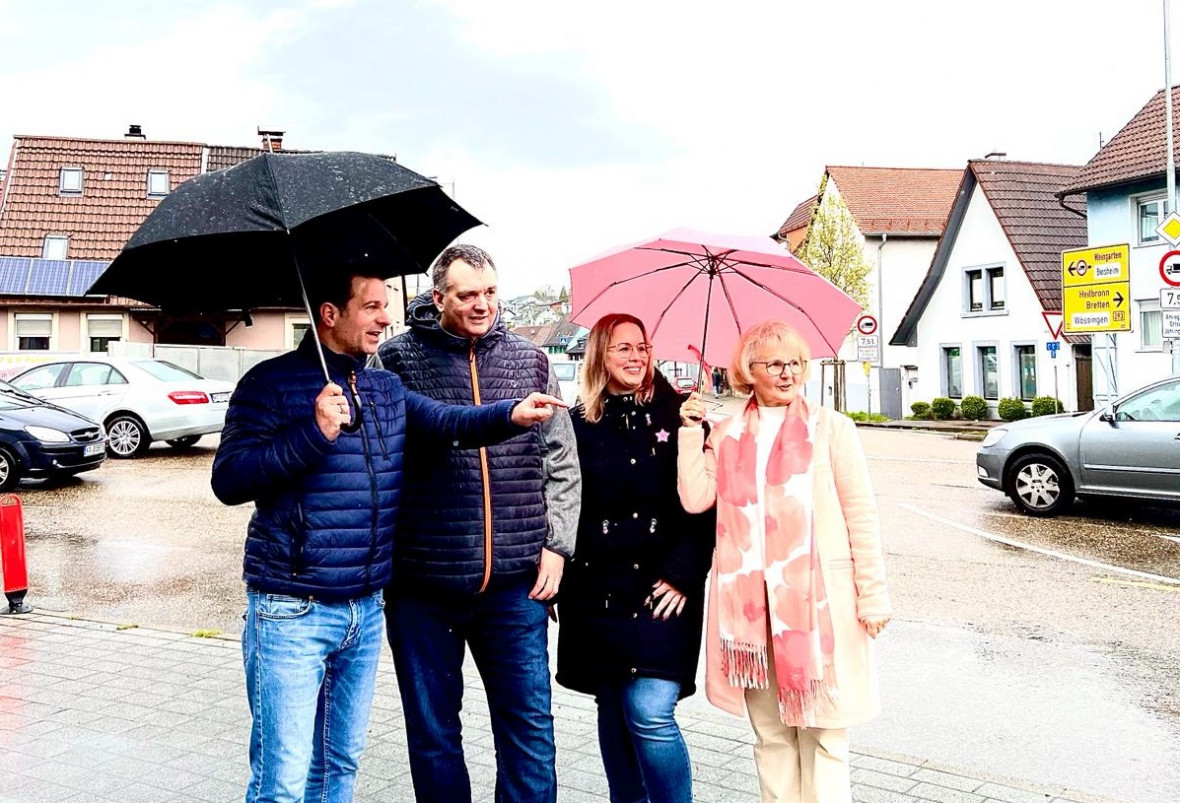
797	590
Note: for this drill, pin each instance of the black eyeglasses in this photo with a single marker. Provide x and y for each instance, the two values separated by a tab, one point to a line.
625	350
776	368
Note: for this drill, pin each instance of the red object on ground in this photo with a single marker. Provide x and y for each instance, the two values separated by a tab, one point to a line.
12	554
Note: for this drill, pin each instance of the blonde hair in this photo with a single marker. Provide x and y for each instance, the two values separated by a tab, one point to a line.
595	376
754	340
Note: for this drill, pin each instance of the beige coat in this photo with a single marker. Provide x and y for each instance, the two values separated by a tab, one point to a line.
848	538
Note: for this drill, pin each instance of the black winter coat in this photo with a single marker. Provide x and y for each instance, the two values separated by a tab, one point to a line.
632	533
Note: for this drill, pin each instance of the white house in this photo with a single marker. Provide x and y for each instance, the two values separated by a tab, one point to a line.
976	324
1125	185
899	214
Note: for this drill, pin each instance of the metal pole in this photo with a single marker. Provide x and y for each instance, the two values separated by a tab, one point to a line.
1168	109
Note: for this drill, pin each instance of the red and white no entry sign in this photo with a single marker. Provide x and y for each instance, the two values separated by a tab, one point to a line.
866	324
1170	268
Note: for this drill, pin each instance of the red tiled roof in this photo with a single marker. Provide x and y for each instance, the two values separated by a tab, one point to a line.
800	218
534	334
897	200
1024	197
1138	151
114	198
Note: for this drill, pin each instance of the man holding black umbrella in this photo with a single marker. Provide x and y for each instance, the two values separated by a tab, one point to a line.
483	542
324	470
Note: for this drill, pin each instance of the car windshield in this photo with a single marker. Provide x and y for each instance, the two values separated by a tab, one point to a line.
13	398
166	371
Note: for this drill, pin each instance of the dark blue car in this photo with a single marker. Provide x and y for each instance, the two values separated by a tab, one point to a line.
41	440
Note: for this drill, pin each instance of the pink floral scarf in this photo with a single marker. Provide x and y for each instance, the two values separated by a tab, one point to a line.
787	571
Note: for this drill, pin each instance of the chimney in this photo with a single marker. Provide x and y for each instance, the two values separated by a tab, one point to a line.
134	132
996	155
271	140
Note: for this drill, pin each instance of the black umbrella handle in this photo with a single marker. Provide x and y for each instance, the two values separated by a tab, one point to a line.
356	405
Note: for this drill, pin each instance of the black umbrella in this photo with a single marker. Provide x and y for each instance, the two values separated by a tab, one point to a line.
250	235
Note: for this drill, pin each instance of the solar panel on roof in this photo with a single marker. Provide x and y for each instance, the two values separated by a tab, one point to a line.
48	277
14	275
84	274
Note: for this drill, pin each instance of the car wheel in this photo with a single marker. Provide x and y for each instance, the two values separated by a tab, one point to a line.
10	471
1040	485
127	437
183	443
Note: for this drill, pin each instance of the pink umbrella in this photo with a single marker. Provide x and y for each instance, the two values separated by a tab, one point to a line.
696	292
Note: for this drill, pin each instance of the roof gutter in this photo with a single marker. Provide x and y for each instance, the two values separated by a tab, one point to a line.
1061	202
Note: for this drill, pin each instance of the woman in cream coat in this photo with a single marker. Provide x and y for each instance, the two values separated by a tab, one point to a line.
797	590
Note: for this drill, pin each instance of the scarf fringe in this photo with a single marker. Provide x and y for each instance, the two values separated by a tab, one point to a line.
801	708
744	664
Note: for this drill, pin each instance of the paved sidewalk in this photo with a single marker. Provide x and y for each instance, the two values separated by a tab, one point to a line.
94	713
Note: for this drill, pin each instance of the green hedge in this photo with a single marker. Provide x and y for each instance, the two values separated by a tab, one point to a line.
1047	405
1012	409
943	408
973	408
921	410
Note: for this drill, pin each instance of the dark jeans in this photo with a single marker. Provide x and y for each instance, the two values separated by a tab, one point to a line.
508	636
643	751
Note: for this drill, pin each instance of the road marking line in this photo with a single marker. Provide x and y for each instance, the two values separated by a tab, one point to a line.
1041	550
1114	581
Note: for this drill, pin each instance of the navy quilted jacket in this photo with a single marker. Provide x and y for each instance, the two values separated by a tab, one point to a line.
325	511
447	540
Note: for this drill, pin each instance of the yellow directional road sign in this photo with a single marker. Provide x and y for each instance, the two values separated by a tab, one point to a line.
1096	289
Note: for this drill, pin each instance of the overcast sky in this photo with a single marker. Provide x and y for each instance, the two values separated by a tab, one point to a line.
569	128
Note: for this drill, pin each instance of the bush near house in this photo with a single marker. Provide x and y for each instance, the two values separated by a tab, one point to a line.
921	410
861	417
1012	409
973	408
1047	405
943	408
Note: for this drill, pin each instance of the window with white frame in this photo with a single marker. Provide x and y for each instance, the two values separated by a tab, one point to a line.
297	326
952	372
1024	359
102	330
1151	211
984	291
55	246
69	181
988	368
1150	325
33	331
158	184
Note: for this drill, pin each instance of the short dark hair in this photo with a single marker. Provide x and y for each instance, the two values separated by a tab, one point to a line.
473	255
335	286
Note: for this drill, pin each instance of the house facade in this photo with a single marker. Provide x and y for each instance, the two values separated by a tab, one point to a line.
67	206
976	324
1125	191
899	214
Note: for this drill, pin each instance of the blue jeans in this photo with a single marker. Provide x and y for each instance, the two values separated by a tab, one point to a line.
310	671
508	636
643	751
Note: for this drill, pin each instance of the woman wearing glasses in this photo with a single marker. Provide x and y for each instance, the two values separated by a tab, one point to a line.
632	597
797	591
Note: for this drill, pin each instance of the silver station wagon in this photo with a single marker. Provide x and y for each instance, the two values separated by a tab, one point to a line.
1129	449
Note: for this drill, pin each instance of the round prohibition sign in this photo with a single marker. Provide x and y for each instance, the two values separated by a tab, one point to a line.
1170	271
867	324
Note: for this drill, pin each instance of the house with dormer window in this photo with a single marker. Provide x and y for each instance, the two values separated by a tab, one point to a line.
67	206
977	324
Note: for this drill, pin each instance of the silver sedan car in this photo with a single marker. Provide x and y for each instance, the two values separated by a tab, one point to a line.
1129	449
137	400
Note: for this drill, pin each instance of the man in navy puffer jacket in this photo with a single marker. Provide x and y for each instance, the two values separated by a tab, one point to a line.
482	546
324	470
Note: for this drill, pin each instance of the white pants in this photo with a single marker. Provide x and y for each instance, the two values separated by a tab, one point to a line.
796	765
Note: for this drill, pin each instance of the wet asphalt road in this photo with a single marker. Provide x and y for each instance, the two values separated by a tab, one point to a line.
1055	666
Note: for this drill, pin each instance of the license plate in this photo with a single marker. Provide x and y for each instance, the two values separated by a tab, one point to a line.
220	397
91	449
